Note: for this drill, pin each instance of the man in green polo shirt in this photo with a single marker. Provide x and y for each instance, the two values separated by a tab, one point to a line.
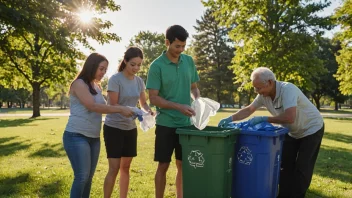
171	83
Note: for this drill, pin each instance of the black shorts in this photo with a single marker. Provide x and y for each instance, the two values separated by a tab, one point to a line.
166	140
120	143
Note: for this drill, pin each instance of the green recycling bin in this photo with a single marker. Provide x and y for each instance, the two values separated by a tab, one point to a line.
207	161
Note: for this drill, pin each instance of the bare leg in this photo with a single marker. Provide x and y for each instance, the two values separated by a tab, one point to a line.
110	178
179	187
124	175
160	179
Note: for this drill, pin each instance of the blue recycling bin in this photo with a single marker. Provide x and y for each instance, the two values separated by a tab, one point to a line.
256	165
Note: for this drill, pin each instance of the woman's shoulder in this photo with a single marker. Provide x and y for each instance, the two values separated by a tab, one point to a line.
78	83
139	80
116	77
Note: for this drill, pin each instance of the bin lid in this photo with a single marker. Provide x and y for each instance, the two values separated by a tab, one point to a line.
270	133
209	131
261	129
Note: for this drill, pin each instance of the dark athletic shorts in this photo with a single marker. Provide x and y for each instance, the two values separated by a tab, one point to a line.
120	143
166	141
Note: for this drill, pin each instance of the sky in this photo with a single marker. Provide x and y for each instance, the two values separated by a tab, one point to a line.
155	16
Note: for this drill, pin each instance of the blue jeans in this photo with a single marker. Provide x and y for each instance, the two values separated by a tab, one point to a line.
83	153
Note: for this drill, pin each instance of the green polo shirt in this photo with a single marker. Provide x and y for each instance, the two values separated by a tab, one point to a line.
174	84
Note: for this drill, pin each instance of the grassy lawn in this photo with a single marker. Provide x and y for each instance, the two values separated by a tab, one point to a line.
340	111
58	110
34	164
30	111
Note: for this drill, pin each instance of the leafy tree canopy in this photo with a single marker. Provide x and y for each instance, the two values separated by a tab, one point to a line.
343	17
276	34
39	39
152	44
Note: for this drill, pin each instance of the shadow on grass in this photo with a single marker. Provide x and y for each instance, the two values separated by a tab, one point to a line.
47	150
334	163
338	137
11	185
10	148
335	112
51	190
341	119
7	139
20	122
313	194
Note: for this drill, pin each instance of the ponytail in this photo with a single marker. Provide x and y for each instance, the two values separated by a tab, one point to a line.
122	66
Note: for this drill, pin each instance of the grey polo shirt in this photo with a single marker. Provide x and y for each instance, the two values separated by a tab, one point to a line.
308	118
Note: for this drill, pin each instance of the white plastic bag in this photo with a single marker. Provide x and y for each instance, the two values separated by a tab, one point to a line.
148	122
204	108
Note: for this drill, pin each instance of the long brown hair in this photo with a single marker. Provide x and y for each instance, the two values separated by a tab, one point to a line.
89	69
130	53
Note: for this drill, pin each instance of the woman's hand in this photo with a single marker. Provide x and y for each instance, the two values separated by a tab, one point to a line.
126	111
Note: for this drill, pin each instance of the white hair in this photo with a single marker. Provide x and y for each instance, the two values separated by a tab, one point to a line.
264	74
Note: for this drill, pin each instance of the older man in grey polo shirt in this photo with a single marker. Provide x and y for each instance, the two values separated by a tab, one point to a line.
292	109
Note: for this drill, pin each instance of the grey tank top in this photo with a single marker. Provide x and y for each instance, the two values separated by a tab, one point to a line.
82	120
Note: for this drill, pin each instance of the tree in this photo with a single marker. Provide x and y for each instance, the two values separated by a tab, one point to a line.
275	34
214	58
343	17
58	21
7	96
104	85
22	95
326	84
46	53
152	44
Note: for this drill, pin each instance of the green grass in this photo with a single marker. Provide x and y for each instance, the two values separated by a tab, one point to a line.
340	111
30	111
34	164
58	110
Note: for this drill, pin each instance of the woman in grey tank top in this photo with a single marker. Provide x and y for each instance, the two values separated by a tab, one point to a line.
81	138
120	133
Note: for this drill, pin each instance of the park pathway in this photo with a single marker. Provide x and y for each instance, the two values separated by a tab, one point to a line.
333	115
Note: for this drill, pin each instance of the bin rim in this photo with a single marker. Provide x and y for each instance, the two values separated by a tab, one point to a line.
222	132
270	133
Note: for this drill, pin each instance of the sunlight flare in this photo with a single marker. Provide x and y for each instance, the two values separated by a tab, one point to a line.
86	16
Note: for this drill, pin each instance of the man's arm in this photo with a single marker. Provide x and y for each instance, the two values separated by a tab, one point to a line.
143	103
244	113
158	101
239	115
288	117
195	93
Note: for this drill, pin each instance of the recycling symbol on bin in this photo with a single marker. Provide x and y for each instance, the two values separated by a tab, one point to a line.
245	156
196	159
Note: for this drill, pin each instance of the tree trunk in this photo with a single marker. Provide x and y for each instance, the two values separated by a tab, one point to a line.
218	96
61	102
249	98
36	99
336	106
239	100
317	101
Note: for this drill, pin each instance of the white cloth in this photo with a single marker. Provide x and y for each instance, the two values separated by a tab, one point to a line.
204	108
